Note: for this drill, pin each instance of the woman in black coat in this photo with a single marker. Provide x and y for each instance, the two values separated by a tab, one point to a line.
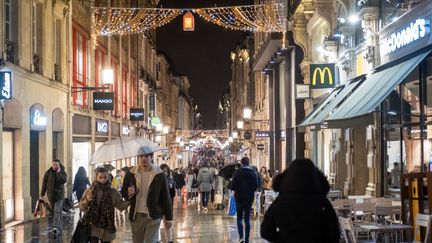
81	182
301	212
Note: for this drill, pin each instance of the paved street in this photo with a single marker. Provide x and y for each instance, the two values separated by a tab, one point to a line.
189	226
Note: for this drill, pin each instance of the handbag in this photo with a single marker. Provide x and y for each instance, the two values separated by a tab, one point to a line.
218	199
194	182
81	233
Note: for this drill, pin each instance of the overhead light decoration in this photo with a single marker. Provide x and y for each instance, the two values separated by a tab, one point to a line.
188	21
253	18
353	19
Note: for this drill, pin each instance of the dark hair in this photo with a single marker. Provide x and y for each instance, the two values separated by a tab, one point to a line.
118	171
101	170
244	161
165	166
56	160
81	174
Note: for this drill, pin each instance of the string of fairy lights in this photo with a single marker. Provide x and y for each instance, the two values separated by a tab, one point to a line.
254	18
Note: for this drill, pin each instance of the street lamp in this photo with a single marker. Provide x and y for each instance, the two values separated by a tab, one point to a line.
178	139
234	134
240	124
165	130
247	113
108	76
181	144
230	139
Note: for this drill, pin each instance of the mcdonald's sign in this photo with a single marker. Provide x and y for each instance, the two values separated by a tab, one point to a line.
323	76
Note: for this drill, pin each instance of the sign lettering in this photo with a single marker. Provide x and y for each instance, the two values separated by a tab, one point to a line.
39	119
262	134
103	101
102	126
413	32
6	85
136	114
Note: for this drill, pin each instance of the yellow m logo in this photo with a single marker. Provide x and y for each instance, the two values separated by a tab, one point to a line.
321	73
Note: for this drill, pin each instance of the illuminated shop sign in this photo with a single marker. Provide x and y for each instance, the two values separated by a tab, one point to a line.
154	121
101	126
415	31
38	118
5	85
103	101
262	134
125	130
323	76
136	114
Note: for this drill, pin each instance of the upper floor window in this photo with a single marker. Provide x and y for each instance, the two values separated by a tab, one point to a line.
79	66
37	32
10	34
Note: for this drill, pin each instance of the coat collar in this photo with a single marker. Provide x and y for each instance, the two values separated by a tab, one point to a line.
154	169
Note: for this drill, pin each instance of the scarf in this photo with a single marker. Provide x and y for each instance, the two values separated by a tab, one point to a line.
101	215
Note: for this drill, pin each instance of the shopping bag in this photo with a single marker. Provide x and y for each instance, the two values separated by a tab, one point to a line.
41	209
81	233
232	206
218	198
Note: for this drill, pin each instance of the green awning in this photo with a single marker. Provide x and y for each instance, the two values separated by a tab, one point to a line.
377	86
339	94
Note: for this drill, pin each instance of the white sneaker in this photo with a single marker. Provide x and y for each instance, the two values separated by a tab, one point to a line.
241	241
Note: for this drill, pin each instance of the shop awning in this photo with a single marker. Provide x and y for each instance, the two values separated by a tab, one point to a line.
358	107
339	94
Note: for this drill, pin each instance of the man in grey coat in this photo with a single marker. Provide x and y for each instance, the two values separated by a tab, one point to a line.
205	180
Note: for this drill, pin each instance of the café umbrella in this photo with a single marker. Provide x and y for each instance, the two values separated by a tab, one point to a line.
122	148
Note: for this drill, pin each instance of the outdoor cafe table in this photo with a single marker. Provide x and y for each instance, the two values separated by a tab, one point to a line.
384	230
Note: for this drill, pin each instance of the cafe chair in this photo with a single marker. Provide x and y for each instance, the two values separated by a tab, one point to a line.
348	233
425	221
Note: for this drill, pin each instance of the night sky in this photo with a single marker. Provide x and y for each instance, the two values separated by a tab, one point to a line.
202	55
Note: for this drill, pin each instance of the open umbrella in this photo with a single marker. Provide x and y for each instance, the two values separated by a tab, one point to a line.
228	170
125	169
124	147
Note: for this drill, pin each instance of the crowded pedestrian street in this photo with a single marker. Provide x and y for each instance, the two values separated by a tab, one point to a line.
190	226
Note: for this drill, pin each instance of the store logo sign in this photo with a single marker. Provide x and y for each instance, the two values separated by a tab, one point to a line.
102	126
262	134
39	119
5	85
323	76
103	101
415	31
136	114
125	130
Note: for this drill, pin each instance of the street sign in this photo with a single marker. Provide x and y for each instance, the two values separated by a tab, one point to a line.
302	91
247	135
103	101
260	146
262	134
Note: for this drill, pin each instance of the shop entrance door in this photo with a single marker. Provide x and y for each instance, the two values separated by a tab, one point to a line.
8	176
34	167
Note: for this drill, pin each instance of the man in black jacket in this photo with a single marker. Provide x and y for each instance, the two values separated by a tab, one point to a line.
146	187
244	184
53	185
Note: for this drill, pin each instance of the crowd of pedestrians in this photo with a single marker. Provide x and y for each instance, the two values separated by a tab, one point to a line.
149	192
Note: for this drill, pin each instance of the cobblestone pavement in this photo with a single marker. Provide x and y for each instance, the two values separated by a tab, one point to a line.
190	226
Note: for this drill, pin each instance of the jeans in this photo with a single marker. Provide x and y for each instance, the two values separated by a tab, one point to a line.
57	215
205	198
243	212
144	229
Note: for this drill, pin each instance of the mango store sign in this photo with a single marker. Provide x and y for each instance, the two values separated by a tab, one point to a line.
102	126
415	31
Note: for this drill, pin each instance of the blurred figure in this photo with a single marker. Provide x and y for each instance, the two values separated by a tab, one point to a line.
179	180
190	185
171	186
301	212
245	182
117	181
266	180
395	175
81	182
205	180
98	204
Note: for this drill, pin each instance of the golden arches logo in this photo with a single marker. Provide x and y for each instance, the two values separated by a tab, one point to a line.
322	73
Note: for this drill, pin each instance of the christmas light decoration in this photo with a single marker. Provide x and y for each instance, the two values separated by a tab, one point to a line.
254	18
122	21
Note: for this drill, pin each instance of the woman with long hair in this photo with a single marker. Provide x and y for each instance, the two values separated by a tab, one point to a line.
171	186
81	182
98	204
